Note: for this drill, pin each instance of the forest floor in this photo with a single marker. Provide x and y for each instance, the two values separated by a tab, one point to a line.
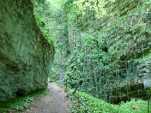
54	102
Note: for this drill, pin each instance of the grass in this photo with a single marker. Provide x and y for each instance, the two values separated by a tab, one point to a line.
20	103
84	103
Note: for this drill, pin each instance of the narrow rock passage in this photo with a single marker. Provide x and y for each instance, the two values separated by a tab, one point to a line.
54	102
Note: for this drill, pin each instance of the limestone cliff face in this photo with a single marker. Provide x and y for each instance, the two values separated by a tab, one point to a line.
24	53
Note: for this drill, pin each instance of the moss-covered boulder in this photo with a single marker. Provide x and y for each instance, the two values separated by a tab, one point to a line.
25	54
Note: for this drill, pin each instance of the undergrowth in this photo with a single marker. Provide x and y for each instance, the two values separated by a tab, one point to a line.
84	103
20	103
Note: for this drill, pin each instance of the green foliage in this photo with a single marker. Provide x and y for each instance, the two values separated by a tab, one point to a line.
85	64
41	12
107	32
20	103
84	103
93	37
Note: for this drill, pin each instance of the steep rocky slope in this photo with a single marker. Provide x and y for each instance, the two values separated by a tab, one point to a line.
111	41
24	53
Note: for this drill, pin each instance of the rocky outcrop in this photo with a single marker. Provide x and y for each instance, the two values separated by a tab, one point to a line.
25	54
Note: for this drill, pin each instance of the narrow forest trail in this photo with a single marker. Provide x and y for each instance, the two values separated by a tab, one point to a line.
54	102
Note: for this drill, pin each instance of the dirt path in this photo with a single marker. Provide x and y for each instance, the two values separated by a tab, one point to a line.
54	102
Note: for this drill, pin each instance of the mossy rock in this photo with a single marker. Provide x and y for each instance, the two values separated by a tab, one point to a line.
25	54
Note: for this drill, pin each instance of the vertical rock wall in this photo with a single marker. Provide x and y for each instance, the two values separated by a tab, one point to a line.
24	53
